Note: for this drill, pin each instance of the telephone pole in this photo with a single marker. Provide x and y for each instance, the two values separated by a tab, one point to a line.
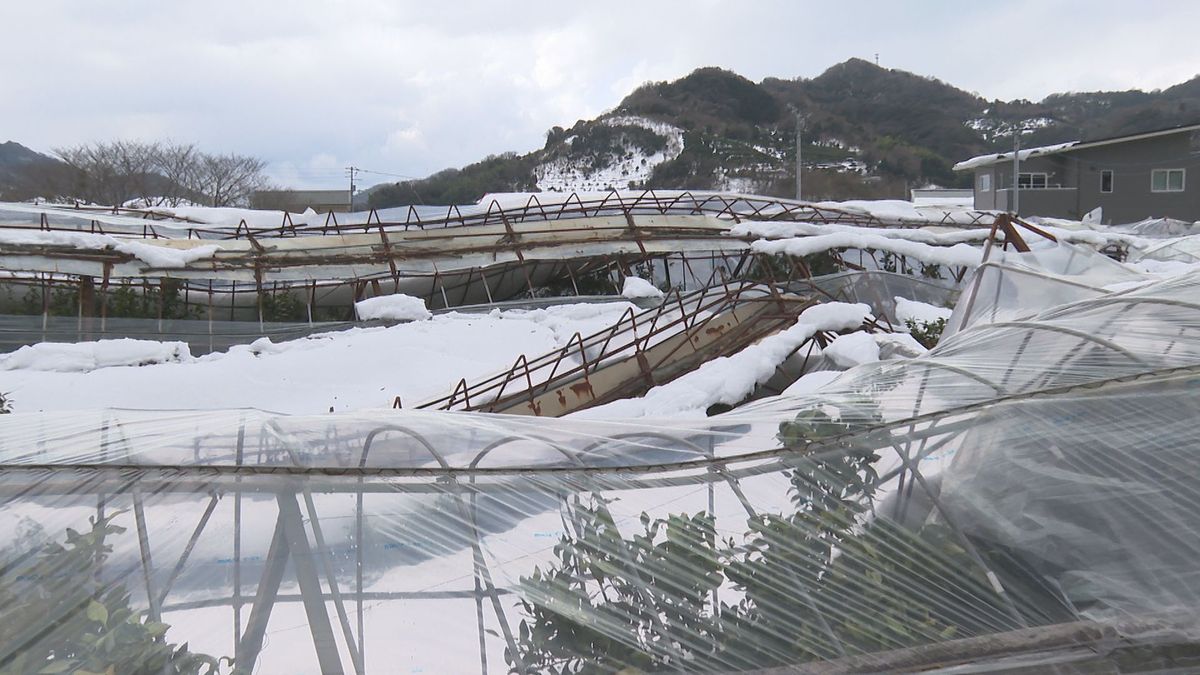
352	172
1016	192
799	163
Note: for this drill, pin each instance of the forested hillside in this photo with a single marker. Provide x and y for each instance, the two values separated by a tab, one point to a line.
868	132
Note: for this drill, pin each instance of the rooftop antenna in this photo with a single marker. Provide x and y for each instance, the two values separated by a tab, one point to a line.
877	58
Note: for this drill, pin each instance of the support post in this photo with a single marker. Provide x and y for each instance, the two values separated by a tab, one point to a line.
310	586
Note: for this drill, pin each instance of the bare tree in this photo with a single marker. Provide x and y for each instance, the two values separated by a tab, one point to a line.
178	164
156	174
114	172
229	180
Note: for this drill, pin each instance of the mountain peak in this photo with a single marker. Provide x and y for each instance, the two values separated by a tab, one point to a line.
12	152
705	98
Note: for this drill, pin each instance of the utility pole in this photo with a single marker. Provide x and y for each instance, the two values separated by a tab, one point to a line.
1016	191
799	164
352	172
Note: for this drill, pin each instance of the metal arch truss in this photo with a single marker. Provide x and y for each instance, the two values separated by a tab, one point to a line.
735	207
639	351
484	254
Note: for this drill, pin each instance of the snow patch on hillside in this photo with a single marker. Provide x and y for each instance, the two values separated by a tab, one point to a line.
992	129
741	185
630	165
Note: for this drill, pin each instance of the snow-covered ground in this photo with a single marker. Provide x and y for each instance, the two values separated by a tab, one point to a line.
349	370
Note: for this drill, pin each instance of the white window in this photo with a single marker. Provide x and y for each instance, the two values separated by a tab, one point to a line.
985	182
1031	180
1106	180
1166	180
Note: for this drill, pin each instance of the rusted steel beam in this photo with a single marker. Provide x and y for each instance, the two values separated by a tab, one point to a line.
639	351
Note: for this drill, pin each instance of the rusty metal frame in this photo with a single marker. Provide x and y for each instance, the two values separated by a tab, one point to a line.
631	337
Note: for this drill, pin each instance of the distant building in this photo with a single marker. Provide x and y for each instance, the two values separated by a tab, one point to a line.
297	201
1154	174
949	197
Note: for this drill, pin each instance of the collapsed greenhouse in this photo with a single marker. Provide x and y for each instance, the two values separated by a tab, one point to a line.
711	479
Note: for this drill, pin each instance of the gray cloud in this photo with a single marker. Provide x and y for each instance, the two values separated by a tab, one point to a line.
412	87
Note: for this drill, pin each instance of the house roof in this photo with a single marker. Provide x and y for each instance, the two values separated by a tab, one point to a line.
1069	146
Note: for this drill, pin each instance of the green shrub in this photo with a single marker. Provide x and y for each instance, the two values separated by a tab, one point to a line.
926	332
57	616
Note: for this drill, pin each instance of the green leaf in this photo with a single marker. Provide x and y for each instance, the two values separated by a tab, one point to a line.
97	612
56	667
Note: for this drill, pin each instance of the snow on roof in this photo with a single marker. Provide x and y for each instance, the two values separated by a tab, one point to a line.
995	158
985	160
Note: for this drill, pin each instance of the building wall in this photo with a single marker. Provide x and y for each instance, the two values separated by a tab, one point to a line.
1058	199
296	201
1132	163
985	199
1073	181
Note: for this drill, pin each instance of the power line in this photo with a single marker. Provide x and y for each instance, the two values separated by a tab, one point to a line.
393	175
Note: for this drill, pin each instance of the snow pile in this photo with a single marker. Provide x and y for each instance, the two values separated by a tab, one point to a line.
853	349
898	346
231	217
920	312
398	307
1077	232
82	357
163	257
637	287
926	235
730	379
959	255
893	209
811	382
154	255
627	165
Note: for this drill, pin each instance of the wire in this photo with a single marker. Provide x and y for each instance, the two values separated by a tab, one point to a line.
394	175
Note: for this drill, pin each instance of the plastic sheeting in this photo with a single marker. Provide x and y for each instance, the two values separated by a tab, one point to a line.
1026	490
1015	285
879	289
1184	249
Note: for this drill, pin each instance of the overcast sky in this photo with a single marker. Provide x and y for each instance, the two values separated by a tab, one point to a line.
410	87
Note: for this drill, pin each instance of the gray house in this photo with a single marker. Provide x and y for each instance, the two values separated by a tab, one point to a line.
1152	174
